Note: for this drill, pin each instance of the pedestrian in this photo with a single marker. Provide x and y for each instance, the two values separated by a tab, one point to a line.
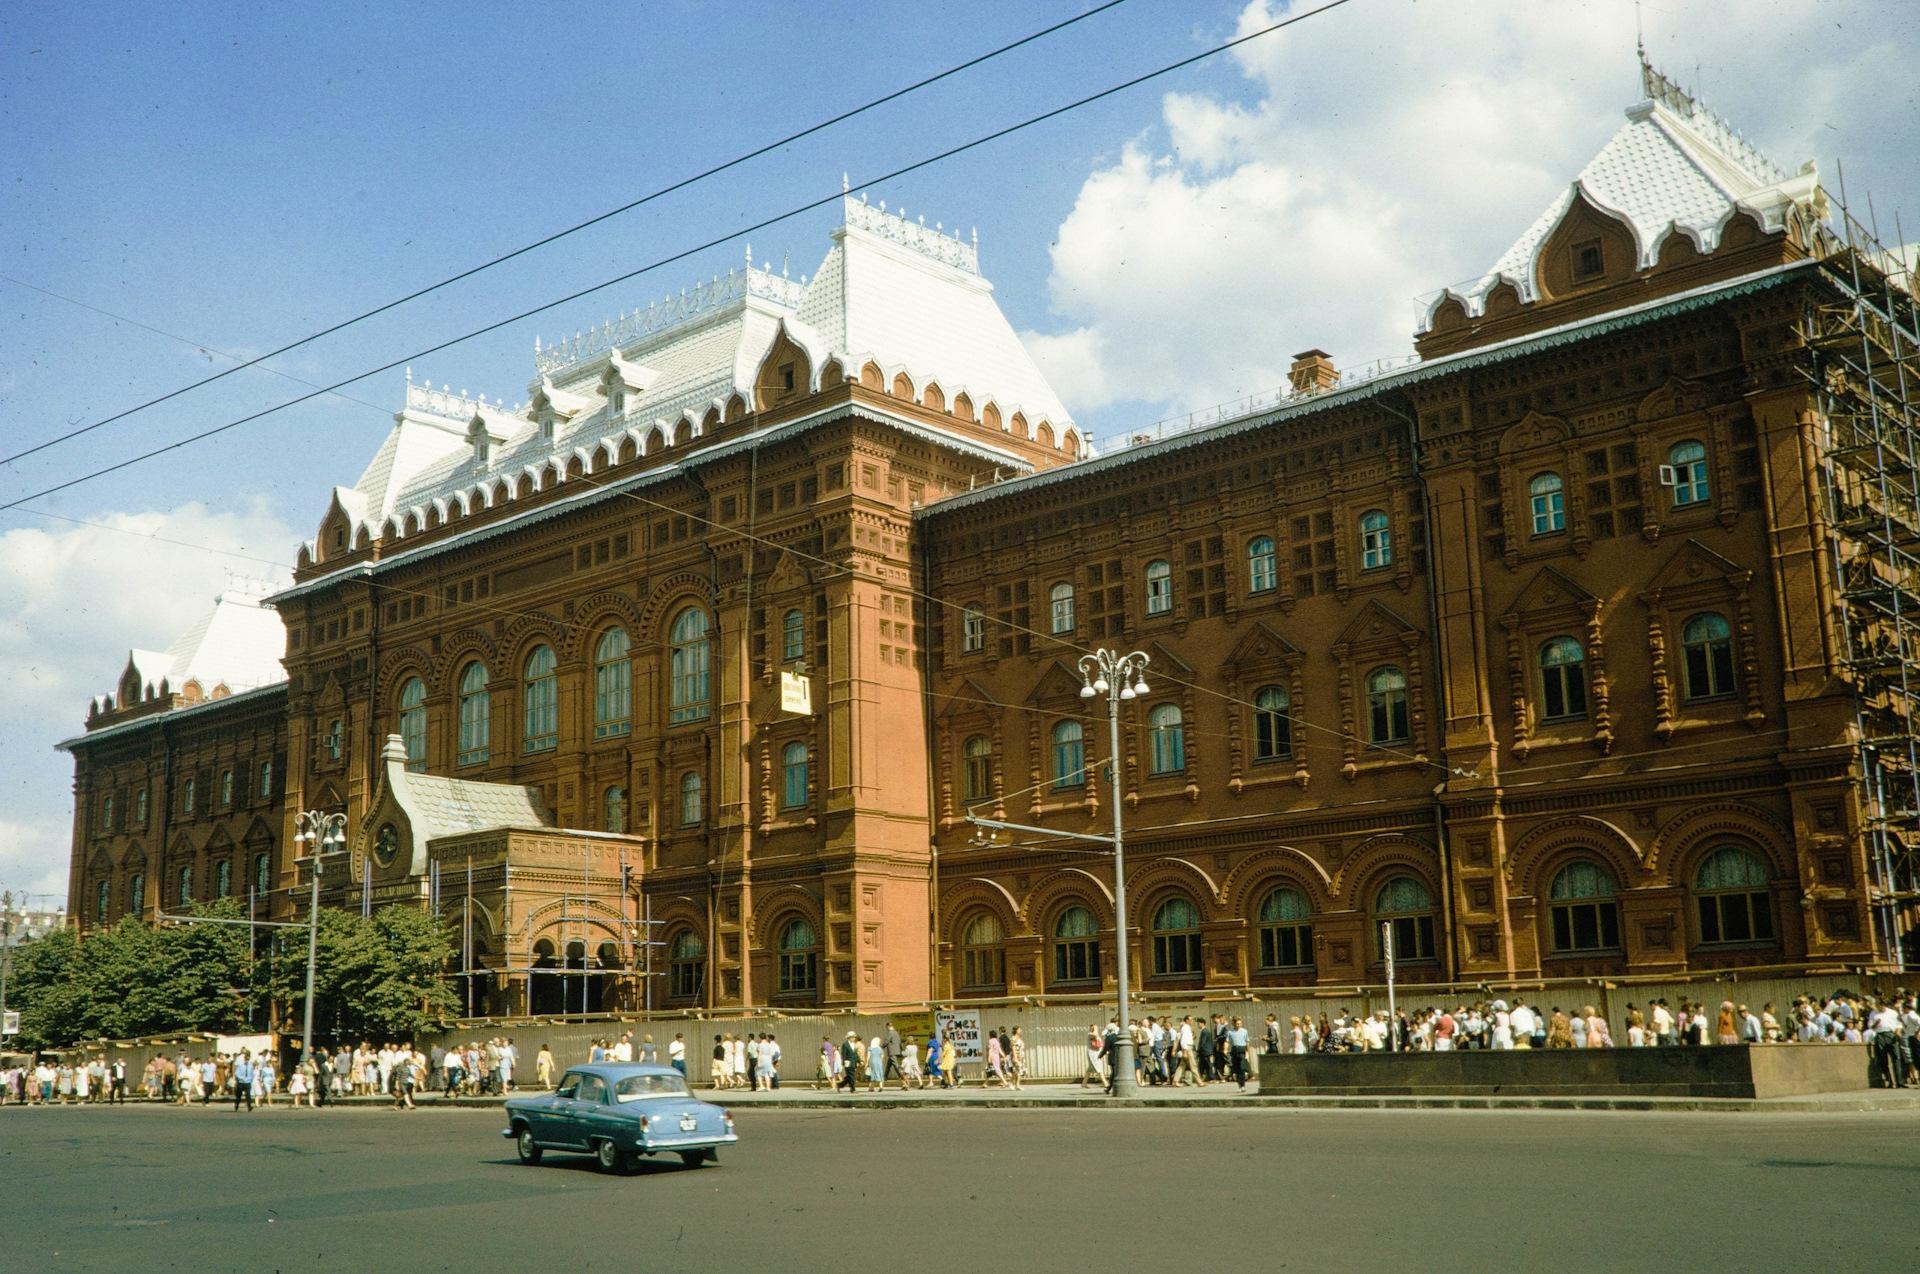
995	1063
894	1052
676	1057
910	1076
934	1077
720	1050
1017	1049
876	1064
1237	1039
297	1086
1093	1071
265	1077
403	1079
543	1068
118	1092
243	1081
950	1061
648	1054
850	1063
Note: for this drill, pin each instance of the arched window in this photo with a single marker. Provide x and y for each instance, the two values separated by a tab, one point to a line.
797	956
976	768
413	725
184	893
262	875
981	964
1272	728
266	772
1262	575
1061	599
1176	937
613	683
1286	934
686	965
1404	904
1376	541
1549	504
1689	462
223	878
1069	755
1563	680
226	787
793	768
1386	706
137	894
543	702
335	741
793	636
1735	897
691	684
1707	644
476	717
1584	915
973	628
691	805
1159	588
100	899
616	809
1076	946
1169	736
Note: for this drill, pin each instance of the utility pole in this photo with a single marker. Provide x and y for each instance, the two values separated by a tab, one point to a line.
6	957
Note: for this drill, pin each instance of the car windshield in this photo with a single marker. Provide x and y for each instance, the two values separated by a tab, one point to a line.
635	1087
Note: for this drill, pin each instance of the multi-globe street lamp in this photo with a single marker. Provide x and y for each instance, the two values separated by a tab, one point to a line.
319	832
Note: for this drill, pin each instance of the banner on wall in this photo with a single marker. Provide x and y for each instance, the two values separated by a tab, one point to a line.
962	1026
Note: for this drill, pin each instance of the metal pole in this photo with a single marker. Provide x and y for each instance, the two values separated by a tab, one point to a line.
1123	1085
1393	1009
6	956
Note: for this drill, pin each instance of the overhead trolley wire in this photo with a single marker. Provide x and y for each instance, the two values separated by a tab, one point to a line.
941	156
558	235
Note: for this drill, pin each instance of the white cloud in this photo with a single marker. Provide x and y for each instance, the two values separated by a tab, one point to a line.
1393	147
73	601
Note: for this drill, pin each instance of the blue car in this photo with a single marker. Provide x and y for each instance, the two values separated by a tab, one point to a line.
615	1111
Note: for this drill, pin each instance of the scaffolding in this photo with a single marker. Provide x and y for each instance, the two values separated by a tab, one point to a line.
1863	338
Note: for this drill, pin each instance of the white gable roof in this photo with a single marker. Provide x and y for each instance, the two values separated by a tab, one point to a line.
1674	168
237	643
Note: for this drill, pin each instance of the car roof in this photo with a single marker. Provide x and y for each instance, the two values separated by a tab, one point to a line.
620	1070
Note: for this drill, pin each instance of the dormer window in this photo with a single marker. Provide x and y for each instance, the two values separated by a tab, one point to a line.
546	428
1588	262
786	378
618	403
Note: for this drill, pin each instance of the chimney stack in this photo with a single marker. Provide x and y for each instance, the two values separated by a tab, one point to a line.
1313	372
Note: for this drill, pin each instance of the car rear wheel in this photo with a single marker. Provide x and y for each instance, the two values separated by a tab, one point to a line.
529	1148
610	1157
696	1158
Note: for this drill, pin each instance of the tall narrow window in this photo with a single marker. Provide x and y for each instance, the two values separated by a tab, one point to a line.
106	815
1176	937
1286	934
1069	755
613	683
101	898
226	787
1563	680
1061	597
797	945
973	629
266	777
184	894
691	804
976	768
543	702
140	808
691	688
137	894
686	965
793	636
413	724
1169	737
476	716
223	878
1734	891
1376	541
1581	906
1159	588
1386	706
1272	727
262	874
187	793
981	965
1707	643
1549	509
1076	946
1404	905
793	769
616	809
1262	573
1689	461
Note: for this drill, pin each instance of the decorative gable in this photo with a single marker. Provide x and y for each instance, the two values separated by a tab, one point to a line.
1549	607
1697	580
1058	682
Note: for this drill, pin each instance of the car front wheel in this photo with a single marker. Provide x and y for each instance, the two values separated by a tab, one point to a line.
529	1148
610	1157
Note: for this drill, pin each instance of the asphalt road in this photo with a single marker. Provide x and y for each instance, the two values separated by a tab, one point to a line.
158	1188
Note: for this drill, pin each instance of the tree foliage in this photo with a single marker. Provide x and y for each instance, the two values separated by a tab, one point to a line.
378	977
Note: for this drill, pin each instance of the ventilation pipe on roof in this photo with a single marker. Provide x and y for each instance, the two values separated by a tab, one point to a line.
1313	372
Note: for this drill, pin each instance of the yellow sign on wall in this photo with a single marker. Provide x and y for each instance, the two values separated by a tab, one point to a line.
796	694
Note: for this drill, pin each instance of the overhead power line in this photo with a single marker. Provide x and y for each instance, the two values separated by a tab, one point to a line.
555	237
949	153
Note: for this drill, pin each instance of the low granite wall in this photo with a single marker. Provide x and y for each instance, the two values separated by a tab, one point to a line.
1766	1070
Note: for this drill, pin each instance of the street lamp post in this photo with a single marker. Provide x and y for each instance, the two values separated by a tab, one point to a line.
318	832
1118	677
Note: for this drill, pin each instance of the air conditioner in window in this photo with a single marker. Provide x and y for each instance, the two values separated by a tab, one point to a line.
1669	478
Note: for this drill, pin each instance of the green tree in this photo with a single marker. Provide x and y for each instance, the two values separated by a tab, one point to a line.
377	978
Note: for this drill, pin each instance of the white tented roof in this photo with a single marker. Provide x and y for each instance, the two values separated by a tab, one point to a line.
1674	168
891	292
237	644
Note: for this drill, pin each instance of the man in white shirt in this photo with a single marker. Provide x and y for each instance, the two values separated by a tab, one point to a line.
1883	1026
1522	1019
1662	1022
677	1053
1749	1026
623	1051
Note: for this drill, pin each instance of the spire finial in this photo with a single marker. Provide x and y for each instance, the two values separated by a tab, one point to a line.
845	187
749	256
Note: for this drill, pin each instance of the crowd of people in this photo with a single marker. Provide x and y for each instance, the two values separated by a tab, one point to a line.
1213	1050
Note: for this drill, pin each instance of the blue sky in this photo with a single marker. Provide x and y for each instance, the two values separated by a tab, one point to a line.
241	175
